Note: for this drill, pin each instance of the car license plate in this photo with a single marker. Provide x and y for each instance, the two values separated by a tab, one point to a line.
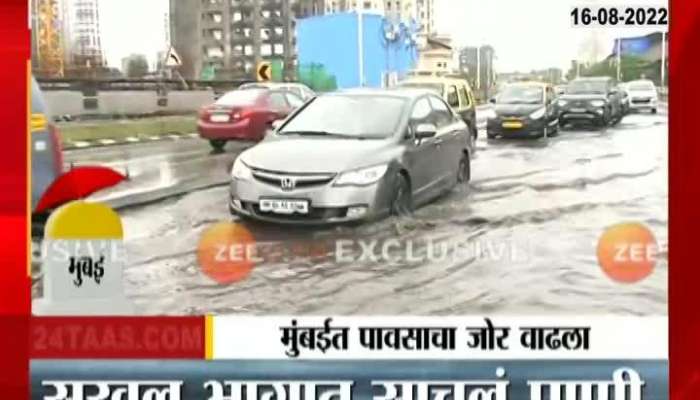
282	206
578	110
512	124
220	118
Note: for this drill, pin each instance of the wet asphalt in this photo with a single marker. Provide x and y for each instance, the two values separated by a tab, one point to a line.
519	239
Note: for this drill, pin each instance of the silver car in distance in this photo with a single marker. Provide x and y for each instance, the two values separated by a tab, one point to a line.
352	156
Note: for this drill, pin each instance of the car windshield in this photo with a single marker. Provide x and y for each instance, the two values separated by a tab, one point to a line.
587	86
521	95
368	117
244	97
641	86
433	87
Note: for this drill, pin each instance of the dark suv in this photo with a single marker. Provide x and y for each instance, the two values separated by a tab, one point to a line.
594	100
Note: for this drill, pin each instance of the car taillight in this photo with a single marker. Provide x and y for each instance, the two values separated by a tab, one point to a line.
240	113
204	113
57	148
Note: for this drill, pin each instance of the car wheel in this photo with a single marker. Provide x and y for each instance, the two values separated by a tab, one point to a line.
217	144
555	130
464	170
604	120
402	202
616	120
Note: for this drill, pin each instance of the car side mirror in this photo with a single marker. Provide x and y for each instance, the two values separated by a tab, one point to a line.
492	100
424	131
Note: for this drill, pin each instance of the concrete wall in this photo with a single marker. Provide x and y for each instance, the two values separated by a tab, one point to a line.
189	101
126	102
64	102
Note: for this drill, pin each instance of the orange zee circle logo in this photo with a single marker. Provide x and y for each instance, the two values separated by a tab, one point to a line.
627	252
226	252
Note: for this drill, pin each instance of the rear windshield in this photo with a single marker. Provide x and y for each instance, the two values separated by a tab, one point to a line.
240	97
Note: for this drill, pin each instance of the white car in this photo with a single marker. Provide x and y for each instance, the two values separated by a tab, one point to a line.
642	95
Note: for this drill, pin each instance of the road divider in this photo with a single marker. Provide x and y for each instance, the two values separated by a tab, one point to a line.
78	135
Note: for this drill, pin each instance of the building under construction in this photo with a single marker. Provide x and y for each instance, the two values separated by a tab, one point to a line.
48	56
66	38
85	41
227	39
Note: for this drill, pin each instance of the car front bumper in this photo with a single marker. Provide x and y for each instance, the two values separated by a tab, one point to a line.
328	204
583	114
643	104
505	127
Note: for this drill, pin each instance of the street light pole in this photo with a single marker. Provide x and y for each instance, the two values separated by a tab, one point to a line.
663	59
360	48
619	58
478	67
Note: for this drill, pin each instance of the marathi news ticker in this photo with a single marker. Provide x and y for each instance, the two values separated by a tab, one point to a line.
290	377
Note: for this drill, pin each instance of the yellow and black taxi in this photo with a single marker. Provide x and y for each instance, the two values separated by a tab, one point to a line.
455	91
524	109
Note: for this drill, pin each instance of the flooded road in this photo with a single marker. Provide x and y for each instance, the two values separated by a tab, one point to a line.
521	239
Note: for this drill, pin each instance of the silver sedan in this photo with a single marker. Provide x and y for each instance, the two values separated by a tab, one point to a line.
350	156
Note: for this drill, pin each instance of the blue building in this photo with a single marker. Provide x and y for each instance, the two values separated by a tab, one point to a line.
351	48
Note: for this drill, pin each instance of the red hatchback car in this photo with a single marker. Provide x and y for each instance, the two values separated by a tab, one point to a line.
244	114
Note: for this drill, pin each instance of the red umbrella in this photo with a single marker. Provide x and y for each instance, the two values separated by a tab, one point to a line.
78	183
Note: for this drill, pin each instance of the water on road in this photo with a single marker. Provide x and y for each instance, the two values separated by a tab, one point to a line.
520	239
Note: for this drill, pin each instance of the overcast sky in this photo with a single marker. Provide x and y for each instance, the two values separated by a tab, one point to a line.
530	34
132	26
526	34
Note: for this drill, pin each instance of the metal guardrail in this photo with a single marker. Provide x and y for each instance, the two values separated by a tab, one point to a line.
159	85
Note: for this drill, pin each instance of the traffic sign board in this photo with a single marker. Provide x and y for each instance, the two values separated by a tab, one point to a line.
264	71
172	59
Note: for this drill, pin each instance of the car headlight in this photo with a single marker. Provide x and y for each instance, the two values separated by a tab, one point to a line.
538	114
241	171
360	177
562	103
598	103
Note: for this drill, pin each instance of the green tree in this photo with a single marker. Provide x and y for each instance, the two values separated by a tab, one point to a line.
631	68
137	66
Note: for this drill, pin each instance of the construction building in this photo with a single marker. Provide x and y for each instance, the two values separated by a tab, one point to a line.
84	38
227	39
48	55
420	11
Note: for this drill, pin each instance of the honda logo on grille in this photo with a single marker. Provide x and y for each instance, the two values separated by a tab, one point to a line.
287	183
